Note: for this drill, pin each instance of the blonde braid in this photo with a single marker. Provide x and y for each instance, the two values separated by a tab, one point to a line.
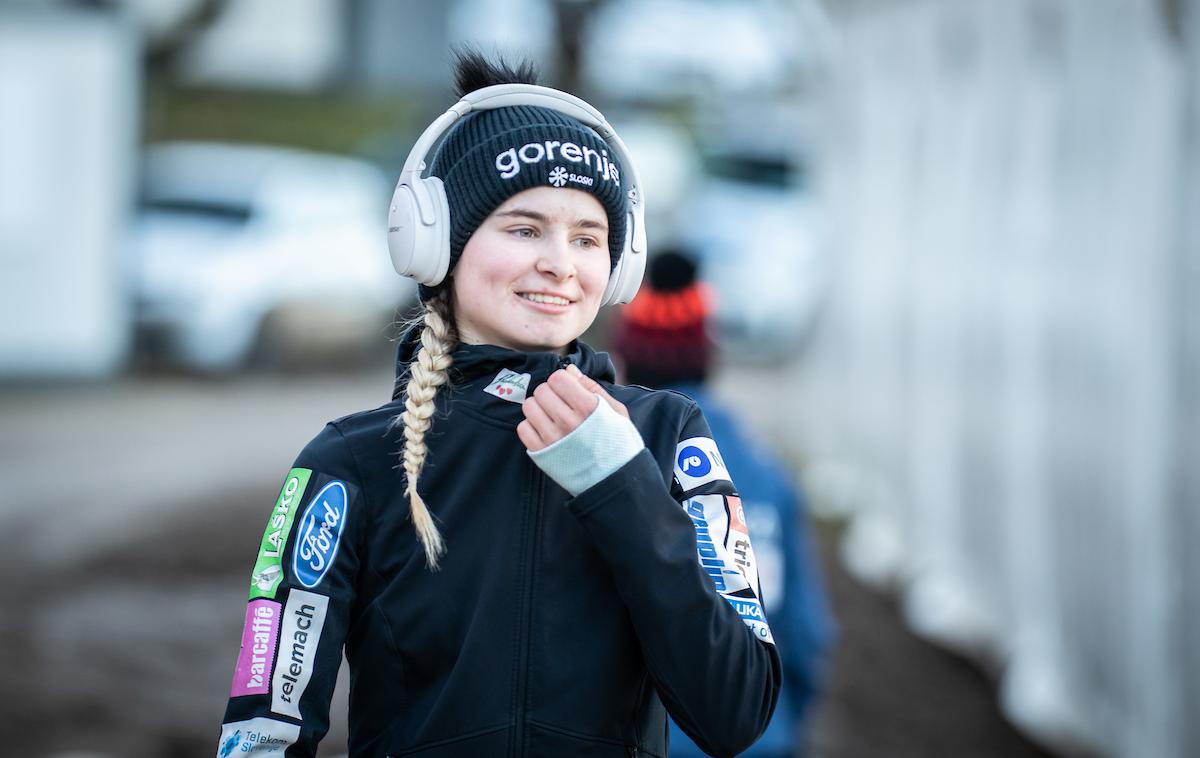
428	371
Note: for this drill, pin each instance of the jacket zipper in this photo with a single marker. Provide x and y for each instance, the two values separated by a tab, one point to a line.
529	549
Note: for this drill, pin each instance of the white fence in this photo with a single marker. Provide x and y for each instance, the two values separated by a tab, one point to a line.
1005	394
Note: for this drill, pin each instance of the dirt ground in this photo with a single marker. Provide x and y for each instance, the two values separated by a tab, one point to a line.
131	655
127	648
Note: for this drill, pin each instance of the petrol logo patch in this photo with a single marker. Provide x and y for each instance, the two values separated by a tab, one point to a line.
258	736
698	462
509	385
268	569
252	675
303	621
320	533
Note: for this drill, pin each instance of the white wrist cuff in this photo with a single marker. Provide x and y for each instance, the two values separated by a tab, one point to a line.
603	443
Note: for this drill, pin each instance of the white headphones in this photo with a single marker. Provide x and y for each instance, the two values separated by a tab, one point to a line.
419	219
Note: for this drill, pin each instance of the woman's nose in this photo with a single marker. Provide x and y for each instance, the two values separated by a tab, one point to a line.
555	258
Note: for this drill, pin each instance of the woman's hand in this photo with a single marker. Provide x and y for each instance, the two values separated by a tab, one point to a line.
560	405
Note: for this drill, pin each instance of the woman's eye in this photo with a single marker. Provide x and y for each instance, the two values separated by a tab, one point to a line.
586	242
524	232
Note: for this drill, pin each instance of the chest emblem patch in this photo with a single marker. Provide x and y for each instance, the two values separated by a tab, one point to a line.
509	385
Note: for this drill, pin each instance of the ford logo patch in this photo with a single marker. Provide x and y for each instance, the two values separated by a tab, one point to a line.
320	531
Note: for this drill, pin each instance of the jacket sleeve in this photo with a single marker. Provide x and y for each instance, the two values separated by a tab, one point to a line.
301	591
681	558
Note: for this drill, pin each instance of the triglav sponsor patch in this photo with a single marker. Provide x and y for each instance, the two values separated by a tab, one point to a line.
268	571
509	385
303	620
253	672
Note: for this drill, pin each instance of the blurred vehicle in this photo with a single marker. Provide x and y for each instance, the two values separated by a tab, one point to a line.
647	51
247	251
756	230
668	164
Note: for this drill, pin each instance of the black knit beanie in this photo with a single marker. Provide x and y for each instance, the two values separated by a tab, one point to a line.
491	155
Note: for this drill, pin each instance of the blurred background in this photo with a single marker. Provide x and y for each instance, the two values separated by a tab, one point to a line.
956	251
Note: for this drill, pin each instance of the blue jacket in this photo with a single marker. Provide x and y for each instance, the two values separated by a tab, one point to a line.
556	626
790	577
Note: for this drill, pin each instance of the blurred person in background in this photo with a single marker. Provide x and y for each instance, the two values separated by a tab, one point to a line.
509	552
661	341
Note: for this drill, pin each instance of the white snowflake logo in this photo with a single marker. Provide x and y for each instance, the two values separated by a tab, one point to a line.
558	177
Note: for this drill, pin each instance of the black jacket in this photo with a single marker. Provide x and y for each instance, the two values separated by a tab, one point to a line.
556	626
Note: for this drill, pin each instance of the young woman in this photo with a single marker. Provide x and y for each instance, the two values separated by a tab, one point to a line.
519	557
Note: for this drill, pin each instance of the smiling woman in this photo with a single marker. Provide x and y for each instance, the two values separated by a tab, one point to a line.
528	580
532	276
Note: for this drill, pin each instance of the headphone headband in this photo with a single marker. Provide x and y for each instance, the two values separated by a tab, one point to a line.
425	199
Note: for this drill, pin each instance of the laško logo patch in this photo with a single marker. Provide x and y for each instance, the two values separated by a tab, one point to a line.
509	385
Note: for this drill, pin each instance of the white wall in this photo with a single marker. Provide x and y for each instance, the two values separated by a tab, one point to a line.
69	89
1004	394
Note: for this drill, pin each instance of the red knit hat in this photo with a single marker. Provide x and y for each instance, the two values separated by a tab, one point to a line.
661	337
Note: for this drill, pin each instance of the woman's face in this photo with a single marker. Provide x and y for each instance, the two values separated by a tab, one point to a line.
532	275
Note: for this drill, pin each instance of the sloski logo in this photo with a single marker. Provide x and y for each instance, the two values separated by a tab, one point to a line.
320	534
509	385
558	177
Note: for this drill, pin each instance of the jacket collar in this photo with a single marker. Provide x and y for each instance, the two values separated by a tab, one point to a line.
474	362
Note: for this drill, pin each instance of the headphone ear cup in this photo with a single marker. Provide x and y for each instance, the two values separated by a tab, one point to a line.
626	277
419	244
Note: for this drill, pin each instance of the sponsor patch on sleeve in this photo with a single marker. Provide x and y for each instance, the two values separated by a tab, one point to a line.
252	676
319	534
698	462
258	736
268	569
303	620
724	551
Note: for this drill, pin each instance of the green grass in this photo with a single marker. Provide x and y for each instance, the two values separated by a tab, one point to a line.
332	122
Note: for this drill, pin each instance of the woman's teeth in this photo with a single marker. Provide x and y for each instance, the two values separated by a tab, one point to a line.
551	299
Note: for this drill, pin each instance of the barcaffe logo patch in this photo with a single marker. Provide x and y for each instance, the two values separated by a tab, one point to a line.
595	163
268	569
320	534
509	385
253	673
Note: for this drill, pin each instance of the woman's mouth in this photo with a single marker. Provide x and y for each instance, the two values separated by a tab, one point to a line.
543	299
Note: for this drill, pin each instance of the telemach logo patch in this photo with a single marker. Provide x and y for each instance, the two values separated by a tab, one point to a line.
303	621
